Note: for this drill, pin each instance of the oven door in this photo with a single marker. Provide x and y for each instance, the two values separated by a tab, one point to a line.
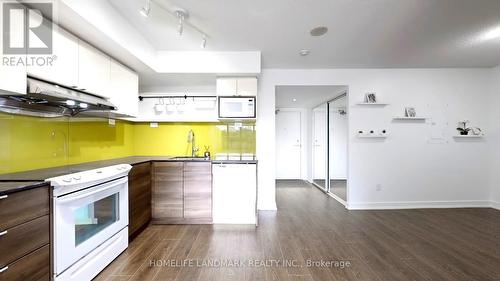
85	219
237	107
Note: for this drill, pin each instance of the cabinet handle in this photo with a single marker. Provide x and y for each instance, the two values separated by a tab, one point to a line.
3	233
4	269
3	197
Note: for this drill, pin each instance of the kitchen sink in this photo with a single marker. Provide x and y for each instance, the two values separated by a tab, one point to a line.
188	158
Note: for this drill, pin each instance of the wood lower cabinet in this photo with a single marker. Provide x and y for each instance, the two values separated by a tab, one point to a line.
33	267
168	190
139	192
197	190
23	206
23	239
182	192
25	235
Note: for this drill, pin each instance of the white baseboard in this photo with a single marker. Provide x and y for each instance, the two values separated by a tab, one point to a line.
495	205
418	205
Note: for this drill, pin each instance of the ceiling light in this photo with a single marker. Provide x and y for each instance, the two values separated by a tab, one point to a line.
319	31
146	9
204	41
491	34
83	105
70	102
304	52
294	100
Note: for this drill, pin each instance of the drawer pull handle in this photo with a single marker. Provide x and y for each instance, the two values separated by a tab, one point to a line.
3	233
4	269
3	197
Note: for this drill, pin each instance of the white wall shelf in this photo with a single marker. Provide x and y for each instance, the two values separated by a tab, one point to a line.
468	136
372	103
372	136
409	118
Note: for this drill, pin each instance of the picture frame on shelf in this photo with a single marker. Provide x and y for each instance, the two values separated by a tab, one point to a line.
410	112
370	98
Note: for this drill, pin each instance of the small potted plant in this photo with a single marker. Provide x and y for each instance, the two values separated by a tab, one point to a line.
462	128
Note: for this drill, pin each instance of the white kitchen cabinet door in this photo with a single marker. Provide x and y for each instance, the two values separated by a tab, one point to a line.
247	86
64	68
124	89
13	79
226	86
234	193
12	75
94	70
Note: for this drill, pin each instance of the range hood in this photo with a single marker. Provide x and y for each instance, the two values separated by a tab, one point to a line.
44	99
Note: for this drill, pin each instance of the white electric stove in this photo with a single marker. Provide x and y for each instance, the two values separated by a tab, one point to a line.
90	221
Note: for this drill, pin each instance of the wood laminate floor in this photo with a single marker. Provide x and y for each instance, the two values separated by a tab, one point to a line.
432	244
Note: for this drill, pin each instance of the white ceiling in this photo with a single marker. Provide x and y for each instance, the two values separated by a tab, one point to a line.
306	96
362	33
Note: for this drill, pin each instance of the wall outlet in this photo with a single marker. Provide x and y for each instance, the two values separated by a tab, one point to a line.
153	125
378	187
111	122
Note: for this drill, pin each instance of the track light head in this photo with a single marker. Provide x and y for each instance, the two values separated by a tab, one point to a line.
204	42
146	9
181	16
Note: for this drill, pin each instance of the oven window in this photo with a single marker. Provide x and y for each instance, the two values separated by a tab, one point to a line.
92	218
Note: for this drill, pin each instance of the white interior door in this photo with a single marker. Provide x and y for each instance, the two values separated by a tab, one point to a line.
288	145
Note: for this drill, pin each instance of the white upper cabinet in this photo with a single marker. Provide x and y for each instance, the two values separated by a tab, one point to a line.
241	86
64	68
226	86
93	70
246	86
12	74
13	78
124	89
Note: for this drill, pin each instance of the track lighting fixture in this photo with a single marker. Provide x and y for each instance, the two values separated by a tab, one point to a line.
181	16
204	41
146	9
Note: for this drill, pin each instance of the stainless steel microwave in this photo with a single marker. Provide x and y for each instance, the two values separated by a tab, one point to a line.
237	107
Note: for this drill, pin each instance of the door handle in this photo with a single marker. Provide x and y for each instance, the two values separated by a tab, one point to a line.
3	197
4	269
3	233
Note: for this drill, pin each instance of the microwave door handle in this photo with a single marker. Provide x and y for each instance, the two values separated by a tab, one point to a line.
76	197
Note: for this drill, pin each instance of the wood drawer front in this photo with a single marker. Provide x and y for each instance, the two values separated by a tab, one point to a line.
139	197
23	239
33	267
168	190
23	206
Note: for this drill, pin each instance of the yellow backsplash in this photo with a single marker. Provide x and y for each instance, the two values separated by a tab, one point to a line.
29	143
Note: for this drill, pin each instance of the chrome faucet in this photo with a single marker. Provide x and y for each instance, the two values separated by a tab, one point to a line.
191	140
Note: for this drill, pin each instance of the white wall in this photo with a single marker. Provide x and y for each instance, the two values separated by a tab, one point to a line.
410	171
494	137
